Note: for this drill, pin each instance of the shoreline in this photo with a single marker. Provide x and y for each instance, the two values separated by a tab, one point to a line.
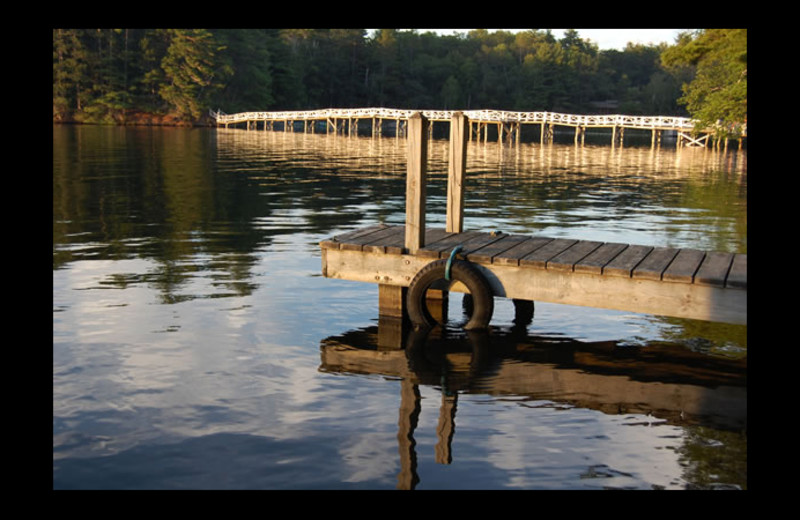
136	118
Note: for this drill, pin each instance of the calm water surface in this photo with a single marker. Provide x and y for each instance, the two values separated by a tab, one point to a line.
197	346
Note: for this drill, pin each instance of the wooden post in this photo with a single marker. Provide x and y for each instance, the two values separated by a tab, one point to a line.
459	125
391	301
416	180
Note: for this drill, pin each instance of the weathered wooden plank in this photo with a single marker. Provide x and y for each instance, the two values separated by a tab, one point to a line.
540	257
624	263
485	254
479	242
336	241
654	264
597	259
446	244
390	240
566	260
357	243
512	256
395	243
737	277
714	269
433	235
684	266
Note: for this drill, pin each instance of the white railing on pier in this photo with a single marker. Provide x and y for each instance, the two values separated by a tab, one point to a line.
495	116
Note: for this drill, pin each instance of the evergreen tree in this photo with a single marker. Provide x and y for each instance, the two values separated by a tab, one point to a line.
104	75
69	73
251	83
194	70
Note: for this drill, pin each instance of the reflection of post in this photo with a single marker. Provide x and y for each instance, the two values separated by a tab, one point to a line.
446	428
409	415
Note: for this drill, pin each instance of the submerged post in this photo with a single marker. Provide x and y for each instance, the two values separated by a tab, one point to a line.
459	135
416	179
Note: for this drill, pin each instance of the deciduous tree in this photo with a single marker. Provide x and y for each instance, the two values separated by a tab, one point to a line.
717	94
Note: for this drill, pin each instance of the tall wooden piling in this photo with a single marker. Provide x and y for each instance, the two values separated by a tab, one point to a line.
391	298
457	160
416	180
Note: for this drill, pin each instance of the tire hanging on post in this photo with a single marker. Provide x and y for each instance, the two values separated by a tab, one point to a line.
434	275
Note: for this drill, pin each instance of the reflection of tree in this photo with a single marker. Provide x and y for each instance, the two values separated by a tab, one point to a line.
706	467
152	193
205	209
200	201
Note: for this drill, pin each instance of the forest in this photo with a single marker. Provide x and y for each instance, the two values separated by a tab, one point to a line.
175	76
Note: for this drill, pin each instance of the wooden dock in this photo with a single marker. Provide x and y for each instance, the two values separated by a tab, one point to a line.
685	283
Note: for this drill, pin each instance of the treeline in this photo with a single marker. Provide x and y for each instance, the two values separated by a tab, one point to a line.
119	75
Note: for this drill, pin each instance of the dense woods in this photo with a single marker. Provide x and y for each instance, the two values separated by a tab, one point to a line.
177	75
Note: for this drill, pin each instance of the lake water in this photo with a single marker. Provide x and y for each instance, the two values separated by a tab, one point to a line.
196	344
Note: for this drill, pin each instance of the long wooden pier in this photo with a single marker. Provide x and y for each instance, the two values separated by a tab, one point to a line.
508	124
686	283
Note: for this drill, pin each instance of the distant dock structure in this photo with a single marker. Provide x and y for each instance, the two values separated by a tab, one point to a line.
508	124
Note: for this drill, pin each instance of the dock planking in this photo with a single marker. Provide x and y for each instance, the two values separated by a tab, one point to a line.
580	264
538	252
595	261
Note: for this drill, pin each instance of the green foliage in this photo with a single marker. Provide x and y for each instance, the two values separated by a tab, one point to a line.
716	62
103	75
192	71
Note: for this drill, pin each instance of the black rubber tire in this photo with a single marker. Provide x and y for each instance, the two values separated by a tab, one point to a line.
462	271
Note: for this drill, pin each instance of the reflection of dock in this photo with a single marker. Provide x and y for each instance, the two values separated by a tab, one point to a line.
668	383
671	383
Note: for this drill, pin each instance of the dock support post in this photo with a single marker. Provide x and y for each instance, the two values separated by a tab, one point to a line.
392	298
416	180
459	128
391	316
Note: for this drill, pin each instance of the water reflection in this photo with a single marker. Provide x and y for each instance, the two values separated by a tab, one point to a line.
181	196
651	384
188	311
